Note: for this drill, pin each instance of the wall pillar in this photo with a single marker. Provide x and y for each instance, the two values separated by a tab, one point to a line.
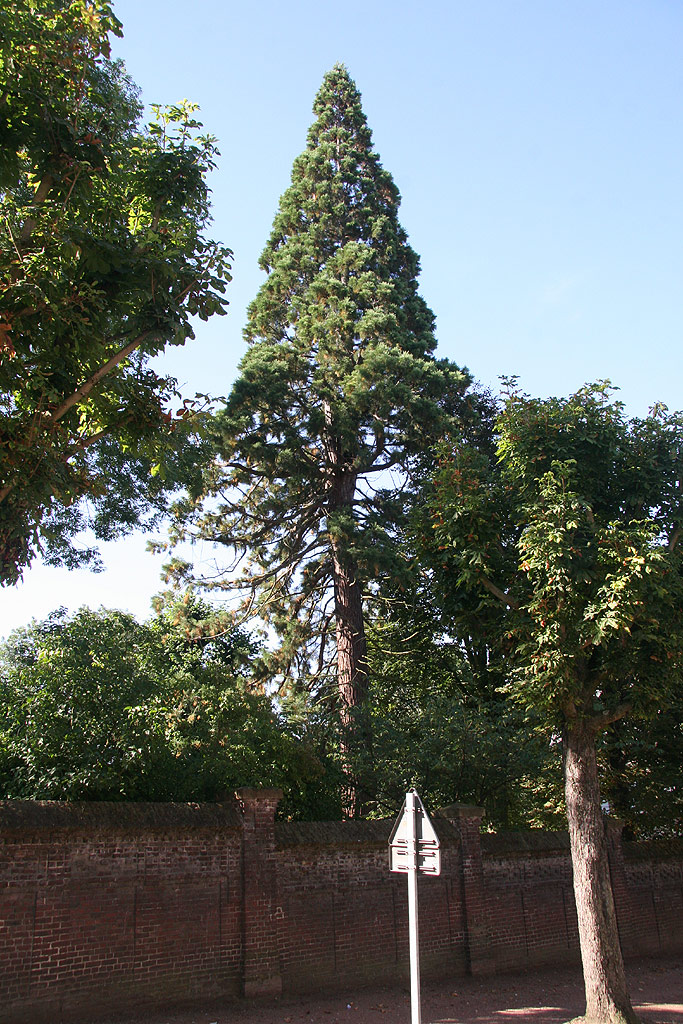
467	821
260	947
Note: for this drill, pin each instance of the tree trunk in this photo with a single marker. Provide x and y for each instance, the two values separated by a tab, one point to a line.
352	678
607	998
352	658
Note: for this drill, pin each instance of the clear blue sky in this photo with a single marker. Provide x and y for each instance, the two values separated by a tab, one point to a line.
538	147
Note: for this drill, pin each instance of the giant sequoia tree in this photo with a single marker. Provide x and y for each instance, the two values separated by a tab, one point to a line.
573	532
337	393
103	261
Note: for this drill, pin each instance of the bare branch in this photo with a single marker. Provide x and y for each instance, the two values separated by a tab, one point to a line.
86	442
323	642
599	722
497	592
84	390
40	196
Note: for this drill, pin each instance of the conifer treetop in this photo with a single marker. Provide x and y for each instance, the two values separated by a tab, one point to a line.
336	241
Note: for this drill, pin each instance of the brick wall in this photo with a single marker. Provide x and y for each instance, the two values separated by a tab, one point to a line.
651	910
529	899
345	916
106	906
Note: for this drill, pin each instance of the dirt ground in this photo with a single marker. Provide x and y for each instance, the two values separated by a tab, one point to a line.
548	996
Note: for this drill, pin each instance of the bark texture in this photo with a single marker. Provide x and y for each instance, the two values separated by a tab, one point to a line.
607	998
352	659
352	678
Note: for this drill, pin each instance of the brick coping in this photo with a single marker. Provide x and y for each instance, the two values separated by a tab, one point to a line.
22	815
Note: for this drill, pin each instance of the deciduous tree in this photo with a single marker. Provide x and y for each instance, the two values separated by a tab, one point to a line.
103	261
97	706
574	530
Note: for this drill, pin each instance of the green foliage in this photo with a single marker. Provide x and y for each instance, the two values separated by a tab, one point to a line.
338	395
313	795
436	727
641	772
569	538
601	502
104	260
97	706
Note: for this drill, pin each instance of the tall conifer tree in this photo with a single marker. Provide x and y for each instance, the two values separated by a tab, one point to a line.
338	388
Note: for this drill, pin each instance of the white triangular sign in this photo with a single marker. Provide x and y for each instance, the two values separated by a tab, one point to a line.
426	841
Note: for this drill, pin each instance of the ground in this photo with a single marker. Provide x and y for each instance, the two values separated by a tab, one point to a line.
548	996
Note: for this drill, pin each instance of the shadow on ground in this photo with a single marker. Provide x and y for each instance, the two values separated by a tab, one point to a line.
549	996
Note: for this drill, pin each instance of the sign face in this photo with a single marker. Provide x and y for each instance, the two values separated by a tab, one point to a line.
428	854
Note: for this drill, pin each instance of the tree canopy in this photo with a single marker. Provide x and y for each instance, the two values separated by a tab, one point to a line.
97	706
573	527
104	260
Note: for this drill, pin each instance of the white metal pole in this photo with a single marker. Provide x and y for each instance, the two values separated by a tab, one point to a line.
413	927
